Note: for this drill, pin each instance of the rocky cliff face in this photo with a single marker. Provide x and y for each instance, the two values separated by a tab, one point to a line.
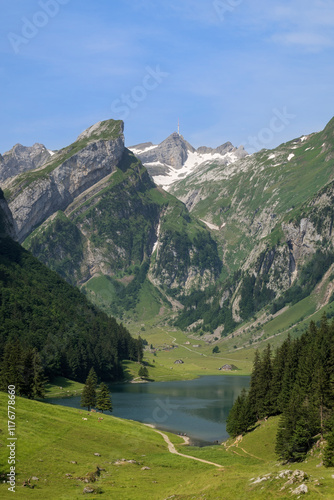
36	195
6	220
22	159
172	151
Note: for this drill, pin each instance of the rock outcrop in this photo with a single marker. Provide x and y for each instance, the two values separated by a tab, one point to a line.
22	159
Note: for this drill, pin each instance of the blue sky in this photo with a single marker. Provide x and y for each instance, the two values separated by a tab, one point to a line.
226	68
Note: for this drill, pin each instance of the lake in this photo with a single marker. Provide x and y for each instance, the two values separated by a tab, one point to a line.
198	408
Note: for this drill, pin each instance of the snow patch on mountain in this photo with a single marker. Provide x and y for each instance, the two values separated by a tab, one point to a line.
175	159
138	151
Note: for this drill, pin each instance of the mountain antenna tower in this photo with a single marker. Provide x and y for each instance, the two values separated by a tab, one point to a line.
178	126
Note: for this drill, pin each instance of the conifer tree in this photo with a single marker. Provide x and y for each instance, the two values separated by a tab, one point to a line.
278	367
39	379
103	400
264	405
232	422
33	385
88	397
139	349
241	416
329	450
143	372
255	385
12	367
301	439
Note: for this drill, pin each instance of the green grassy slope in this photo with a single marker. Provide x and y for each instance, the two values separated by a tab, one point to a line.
268	182
49	438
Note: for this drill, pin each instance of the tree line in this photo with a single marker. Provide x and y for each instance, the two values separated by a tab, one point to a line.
297	383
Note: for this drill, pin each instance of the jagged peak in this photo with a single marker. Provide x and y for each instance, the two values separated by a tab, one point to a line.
19	148
177	140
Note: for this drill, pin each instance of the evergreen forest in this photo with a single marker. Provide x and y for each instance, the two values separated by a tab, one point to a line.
47	324
297	383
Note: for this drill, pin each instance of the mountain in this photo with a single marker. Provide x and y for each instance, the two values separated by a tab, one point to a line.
39	310
227	243
271	214
174	158
93	214
21	159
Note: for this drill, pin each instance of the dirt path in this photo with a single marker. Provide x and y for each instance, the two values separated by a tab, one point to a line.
172	449
184	347
236	444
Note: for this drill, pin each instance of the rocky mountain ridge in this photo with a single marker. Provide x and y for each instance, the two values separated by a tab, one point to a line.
107	228
93	214
175	159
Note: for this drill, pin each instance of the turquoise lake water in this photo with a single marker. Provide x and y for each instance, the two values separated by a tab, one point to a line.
197	408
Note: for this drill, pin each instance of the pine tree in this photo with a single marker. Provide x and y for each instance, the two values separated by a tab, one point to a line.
329	450
139	349
232	421
301	439
39	379
264	406
103	400
143	372
12	367
88	397
33	385
241	416
255	384
278	368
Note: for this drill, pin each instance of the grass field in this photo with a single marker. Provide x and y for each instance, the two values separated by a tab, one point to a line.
172	345
55	445
61	387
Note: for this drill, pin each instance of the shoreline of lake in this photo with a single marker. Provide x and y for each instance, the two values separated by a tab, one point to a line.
196	409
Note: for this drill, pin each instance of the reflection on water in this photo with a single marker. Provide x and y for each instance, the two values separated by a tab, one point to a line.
198	407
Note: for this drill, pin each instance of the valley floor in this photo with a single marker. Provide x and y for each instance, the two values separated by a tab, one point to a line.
62	447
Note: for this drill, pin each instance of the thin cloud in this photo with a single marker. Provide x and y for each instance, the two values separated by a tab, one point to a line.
310	41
